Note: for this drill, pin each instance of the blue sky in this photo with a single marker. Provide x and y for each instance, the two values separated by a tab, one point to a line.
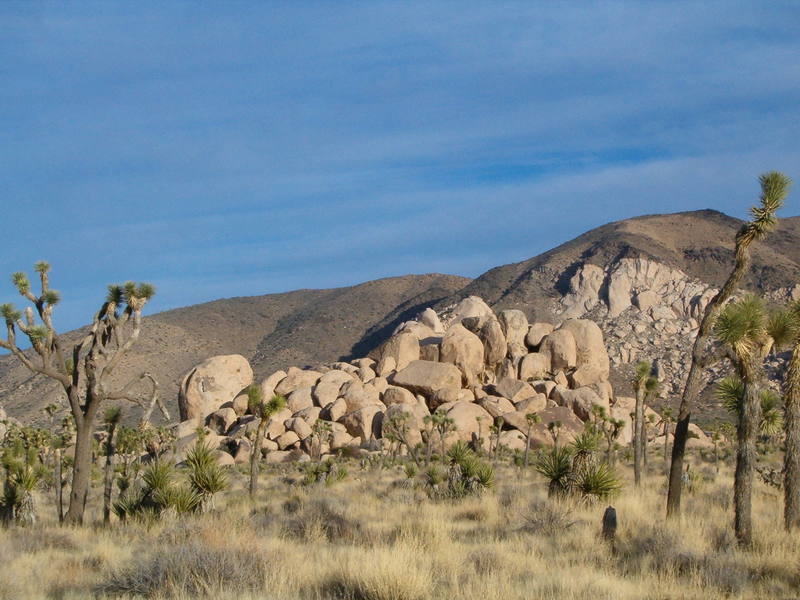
240	148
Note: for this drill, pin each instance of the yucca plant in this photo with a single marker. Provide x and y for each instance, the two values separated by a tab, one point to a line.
585	448
466	474
326	472
555	465
23	474
206	476
597	481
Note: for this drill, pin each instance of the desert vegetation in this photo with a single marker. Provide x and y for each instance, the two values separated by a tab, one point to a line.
378	533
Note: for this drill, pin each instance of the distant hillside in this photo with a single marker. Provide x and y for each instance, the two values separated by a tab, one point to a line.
308	327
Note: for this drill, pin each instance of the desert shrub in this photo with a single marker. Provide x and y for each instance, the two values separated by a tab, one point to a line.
391	574
486	560
190	569
323	516
547	519
327	472
466	475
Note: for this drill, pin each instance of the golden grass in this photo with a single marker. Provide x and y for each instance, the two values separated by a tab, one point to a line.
372	537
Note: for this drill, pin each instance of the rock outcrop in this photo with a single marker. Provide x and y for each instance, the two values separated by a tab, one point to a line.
487	369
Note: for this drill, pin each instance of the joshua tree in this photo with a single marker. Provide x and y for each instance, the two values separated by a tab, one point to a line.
264	411
774	188
531	419
111	419
443	425
730	392
645	385
742	328
321	432
396	429
497	429
791	457
85	371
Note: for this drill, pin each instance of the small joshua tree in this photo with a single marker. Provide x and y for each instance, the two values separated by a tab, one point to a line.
443	425
85	370
397	430
645	385
264	411
531	419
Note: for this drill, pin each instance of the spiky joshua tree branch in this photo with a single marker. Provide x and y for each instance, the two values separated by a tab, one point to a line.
84	370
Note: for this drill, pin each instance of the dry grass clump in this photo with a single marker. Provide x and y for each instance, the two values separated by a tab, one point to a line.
192	568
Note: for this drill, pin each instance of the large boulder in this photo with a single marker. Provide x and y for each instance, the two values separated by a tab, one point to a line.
296	379
560	347
464	349
515	327
364	422
398	395
469	419
495	405
358	396
299	399
426	377
569	427
471	306
533	404
268	383
580	401
403	348
590	348
534	366
495	345
513	389
430	319
211	384
536	333
299	426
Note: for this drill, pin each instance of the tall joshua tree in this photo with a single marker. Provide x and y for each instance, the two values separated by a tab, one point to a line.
742	328
645	385
774	188
264	411
83	371
791	457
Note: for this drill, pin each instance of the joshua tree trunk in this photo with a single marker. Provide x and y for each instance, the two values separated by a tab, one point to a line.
747	431
255	456
527	444
108	475
791	481
59	487
81	471
638	434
